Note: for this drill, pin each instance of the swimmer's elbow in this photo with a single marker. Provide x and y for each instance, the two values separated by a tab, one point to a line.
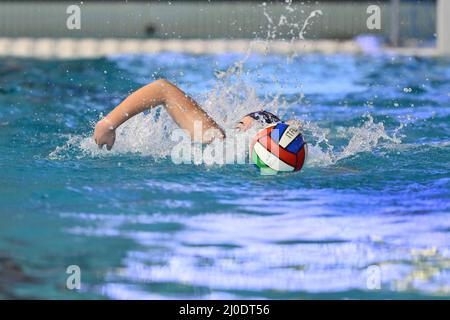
163	83
164	88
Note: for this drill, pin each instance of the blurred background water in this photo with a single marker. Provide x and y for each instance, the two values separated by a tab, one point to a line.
374	192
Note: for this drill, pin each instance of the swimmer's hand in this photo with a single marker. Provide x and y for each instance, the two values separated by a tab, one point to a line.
104	134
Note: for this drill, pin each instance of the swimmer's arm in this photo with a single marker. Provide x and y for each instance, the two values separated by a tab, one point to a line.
182	108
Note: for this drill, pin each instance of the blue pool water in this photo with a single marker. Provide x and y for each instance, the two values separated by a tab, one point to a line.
367	217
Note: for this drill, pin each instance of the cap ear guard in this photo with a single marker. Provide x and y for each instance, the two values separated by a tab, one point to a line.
264	117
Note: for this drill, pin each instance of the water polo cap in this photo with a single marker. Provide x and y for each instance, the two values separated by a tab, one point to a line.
264	117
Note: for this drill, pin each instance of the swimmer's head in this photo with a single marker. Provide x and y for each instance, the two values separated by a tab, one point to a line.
258	118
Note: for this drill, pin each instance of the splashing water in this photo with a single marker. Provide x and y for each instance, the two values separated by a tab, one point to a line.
229	100
149	134
289	21
374	192
360	139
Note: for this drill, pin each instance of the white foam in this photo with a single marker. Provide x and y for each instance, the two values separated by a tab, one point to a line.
150	134
231	98
365	138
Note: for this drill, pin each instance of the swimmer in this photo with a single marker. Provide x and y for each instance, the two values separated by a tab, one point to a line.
182	108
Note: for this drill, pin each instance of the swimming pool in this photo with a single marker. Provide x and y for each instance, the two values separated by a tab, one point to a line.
368	216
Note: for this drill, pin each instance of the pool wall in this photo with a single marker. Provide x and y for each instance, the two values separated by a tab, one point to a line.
67	48
40	28
201	19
